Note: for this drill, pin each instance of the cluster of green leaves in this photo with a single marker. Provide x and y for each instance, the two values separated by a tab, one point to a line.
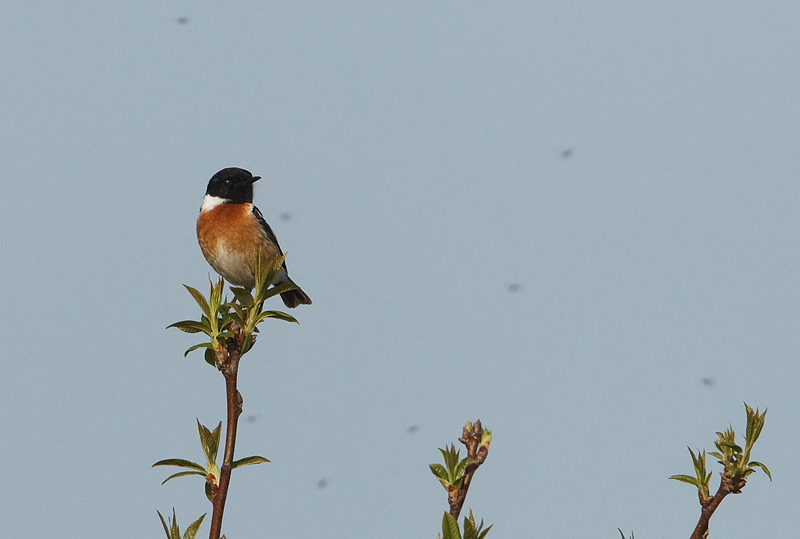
451	476
452	473
172	530
735	460
450	528
701	479
209	440
730	455
246	311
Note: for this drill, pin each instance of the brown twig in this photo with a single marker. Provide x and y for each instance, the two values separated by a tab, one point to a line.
727	485
228	363
471	437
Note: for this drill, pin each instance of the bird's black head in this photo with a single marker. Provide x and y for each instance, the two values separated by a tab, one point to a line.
233	184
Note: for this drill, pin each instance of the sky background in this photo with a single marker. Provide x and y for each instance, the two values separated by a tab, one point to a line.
417	150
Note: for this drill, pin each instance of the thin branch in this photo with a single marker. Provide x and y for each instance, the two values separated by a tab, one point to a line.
471	437
228	364
727	485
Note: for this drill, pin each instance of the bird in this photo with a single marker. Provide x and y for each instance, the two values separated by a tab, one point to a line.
232	234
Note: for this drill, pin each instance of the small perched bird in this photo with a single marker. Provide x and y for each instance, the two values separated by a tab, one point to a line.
232	233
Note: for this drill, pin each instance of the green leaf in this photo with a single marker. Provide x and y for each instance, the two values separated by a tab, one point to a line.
755	423
164	523
731	445
483	534
181	464
756	463
192	326
196	346
247	344
445	452
181	474
238	312
439	471
210	357
450	527
173	532
215	296
451	461
459	471
201	300
247	461
469	528
275	290
243	296
685	478
225	335
471	518
225	323
276	314
210	441
191	531
265	274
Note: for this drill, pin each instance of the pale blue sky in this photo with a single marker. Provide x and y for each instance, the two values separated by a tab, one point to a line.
418	150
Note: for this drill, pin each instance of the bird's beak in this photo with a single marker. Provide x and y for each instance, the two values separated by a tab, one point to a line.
254	179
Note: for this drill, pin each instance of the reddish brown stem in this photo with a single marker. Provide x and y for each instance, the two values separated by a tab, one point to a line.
230	369
727	485
471	438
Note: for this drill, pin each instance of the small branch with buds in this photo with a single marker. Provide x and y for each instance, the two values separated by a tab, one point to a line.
456	476
727	485
473	438
736	463
228	363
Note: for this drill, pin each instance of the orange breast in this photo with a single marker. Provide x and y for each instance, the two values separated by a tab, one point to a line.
231	238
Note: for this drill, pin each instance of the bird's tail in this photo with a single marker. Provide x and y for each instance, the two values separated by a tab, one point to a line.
295	297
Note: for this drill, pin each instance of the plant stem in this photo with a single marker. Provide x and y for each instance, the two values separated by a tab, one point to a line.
230	369
471	438
727	485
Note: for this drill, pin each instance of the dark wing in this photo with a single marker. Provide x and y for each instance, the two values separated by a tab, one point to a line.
267	230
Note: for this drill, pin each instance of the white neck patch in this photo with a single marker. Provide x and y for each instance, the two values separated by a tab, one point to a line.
211	202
